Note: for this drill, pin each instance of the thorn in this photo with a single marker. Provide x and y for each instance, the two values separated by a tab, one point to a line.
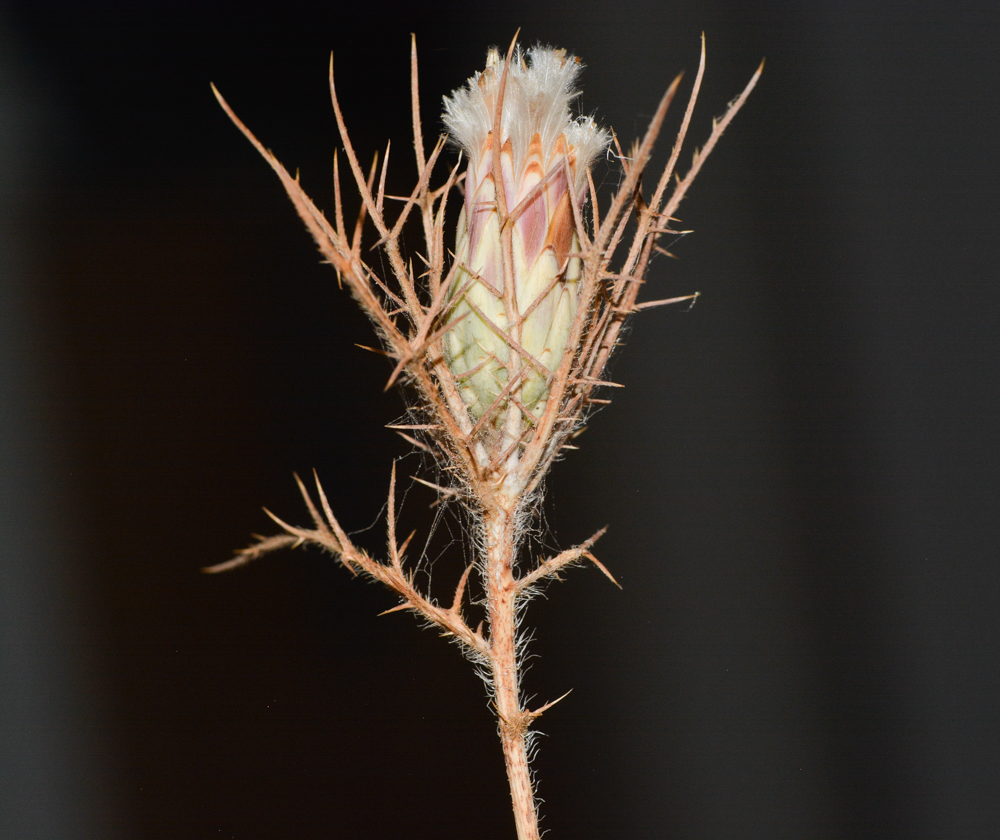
400	367
456	604
414	441
602	567
289	528
406	543
597	382
317	520
652	303
444	491
373	350
338	532
542	709
406	606
391	519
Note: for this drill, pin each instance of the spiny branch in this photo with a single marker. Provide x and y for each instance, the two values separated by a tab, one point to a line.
497	457
264	545
329	536
552	566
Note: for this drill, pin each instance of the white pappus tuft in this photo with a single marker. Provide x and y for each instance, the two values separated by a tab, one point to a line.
541	83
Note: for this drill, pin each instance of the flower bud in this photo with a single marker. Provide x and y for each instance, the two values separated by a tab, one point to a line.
544	154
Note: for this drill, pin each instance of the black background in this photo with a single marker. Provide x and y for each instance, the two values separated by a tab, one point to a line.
800	476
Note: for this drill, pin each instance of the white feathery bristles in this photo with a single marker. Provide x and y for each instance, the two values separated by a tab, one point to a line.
536	99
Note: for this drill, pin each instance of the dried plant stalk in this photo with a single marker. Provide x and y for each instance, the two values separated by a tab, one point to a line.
503	344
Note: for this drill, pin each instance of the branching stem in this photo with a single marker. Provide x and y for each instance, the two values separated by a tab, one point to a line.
498	458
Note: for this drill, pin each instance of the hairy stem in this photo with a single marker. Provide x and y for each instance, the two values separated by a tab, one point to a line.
501	595
503	453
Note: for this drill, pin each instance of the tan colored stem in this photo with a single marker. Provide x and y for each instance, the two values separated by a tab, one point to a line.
497	477
501	594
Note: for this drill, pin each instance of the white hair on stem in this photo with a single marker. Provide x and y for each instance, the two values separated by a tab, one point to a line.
542	363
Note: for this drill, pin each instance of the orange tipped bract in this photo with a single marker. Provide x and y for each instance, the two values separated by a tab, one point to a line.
515	294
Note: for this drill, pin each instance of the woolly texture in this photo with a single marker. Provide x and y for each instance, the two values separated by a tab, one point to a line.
537	97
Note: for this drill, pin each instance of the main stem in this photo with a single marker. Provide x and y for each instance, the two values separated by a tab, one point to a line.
501	593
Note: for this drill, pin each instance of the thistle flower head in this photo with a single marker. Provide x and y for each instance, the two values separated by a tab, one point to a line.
515	293
503	347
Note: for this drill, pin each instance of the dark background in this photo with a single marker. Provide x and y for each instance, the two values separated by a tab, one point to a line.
800	477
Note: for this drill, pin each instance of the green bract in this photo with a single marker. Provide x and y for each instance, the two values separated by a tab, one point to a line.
512	313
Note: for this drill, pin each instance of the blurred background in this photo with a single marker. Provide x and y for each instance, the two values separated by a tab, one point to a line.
800	476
